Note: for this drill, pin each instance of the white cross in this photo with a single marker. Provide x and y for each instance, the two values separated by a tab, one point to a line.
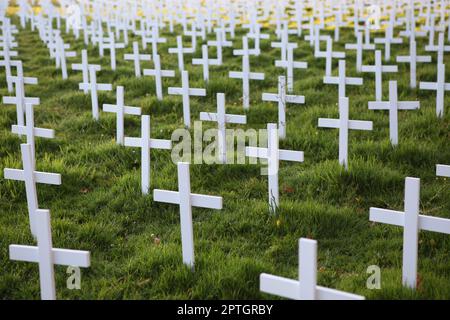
344	124
205	62
359	47
284	43
273	154
136	58
222	118
30	131
412	59
440	48
443	170
186	92
94	87
46	256
121	110
61	55
329	54
246	76
282	98
379	69
393	105
289	65
158	74
245	51
412	222
20	100
8	63
31	177
341	80
112	46
440	86
84	67
388	40
186	200
305	288
146	143
180	51
218	43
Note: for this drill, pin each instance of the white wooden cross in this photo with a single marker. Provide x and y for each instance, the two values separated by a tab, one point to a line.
440	48
388	40
219	43
111	46
121	110
342	80
245	51
273	154
186	200
305	288
186	92
180	51
46	256
329	54
379	69
344	124
136	57
61	54
94	87
8	63
284	43
222	118
393	105
30	131
246	76
146	143
440	86
158	74
20	100
31	177
84	68
205	62
282	98
359	46
412	59
412	222
443	170
290	65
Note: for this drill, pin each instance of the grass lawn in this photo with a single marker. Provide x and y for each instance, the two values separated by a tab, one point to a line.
135	243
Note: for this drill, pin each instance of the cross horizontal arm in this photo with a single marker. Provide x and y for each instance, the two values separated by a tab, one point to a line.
289	155
38	132
160	144
424	85
197	92
443	170
295	99
352	124
408	105
13	100
63	257
41	177
256	152
197	200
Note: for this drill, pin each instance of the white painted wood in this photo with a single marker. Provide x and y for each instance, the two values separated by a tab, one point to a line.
204	61
412	222
443	170
440	86
413	59
282	98
440	49
121	110
359	46
7	54
180	51
342	80
329	54
290	65
393	105
344	124
305	288
378	68
111	45
46	256
186	200
137	57
158	74
94	87
221	117
146	143
84	68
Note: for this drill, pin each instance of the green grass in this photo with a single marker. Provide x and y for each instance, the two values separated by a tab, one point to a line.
99	206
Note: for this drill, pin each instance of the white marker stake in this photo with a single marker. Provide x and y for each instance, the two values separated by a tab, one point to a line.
329	54
344	124
8	63
146	143
31	177
136	57
222	118
112	46
94	87
205	62
273	154
84	68
186	92
282	99
120	109
412	222
158	74
246	76
305	288
290	65
393	105
412	59
359	47
443	170
440	86
180	51
379	69
341	80
186	200
46	256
